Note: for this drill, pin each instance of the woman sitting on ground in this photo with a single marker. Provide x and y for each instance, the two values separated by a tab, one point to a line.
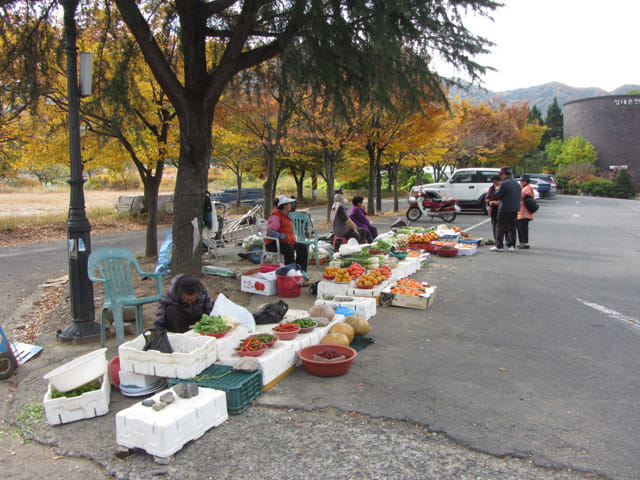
359	217
280	226
342	225
182	304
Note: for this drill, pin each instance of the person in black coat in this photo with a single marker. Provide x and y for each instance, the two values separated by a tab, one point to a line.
182	304
509	197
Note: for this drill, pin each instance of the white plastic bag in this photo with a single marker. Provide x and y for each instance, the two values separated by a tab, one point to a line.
351	247
224	306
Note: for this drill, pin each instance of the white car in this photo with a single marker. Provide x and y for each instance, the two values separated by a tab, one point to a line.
468	186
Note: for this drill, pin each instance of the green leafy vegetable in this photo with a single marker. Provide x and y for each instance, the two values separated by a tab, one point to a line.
210	324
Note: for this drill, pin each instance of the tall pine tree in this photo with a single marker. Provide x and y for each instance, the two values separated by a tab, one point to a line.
554	123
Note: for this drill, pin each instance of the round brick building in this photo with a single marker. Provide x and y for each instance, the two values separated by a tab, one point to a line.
612	125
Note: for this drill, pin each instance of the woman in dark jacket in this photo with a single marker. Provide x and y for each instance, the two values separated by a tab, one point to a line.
359	217
182	304
492	205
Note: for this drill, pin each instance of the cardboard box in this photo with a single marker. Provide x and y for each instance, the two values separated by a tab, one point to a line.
260	283
421	302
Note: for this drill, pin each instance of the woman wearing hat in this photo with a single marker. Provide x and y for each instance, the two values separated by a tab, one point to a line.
524	215
341	224
280	226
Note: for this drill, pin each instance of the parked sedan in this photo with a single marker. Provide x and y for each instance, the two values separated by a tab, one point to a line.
546	178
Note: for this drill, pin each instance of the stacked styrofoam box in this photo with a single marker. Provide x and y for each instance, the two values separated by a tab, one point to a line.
88	405
191	354
165	432
273	362
365	307
327	288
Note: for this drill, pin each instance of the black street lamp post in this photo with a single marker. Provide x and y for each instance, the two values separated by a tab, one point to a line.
83	328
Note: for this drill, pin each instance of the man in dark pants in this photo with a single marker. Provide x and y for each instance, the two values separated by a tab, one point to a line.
509	197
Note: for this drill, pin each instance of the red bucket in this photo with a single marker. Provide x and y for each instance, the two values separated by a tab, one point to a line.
289	286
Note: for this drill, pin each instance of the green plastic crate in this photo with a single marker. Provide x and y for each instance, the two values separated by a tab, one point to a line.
240	387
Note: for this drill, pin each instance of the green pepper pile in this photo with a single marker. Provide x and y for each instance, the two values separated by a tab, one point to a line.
304	322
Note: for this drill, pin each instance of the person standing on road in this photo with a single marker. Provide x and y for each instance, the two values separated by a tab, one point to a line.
524	215
509	197
492	205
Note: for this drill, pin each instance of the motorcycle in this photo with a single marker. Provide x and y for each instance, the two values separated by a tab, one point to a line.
432	205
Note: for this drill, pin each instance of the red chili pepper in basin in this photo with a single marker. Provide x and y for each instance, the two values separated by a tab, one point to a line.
250	345
287	327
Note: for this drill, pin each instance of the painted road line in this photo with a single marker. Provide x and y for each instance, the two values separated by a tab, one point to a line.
477	225
630	321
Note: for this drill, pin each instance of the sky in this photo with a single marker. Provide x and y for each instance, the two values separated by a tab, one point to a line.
581	43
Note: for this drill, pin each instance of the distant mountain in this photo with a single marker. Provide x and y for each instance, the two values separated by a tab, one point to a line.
540	95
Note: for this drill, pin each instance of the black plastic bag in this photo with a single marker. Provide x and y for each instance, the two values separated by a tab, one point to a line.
157	339
271	312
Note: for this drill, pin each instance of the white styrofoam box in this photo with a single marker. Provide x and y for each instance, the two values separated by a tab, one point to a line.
273	362
260	283
365	307
136	379
466	249
227	344
191	354
327	288
78	371
88	405
165	432
368	292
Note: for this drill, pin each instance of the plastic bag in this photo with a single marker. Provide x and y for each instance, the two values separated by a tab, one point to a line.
157	339
166	252
271	312
224	306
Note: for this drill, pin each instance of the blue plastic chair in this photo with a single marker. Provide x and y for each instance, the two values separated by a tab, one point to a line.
113	266
302	227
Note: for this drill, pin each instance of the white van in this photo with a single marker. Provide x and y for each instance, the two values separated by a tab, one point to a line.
468	186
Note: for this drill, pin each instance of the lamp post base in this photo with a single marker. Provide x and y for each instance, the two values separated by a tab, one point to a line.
85	332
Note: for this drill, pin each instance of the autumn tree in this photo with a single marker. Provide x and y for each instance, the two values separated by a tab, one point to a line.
327	128
323	44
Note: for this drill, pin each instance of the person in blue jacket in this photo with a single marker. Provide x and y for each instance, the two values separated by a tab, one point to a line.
182	304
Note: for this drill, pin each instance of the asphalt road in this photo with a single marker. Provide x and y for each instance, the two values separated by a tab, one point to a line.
531	354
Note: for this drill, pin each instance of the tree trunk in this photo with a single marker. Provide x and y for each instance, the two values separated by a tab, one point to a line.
329	172
151	187
190	190
239	187
394	177
371	205
270	183
300	187
378	181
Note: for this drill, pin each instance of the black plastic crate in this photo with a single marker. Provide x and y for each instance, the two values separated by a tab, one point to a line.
240	387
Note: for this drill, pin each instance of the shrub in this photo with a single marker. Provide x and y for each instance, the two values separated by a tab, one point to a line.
599	187
624	185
